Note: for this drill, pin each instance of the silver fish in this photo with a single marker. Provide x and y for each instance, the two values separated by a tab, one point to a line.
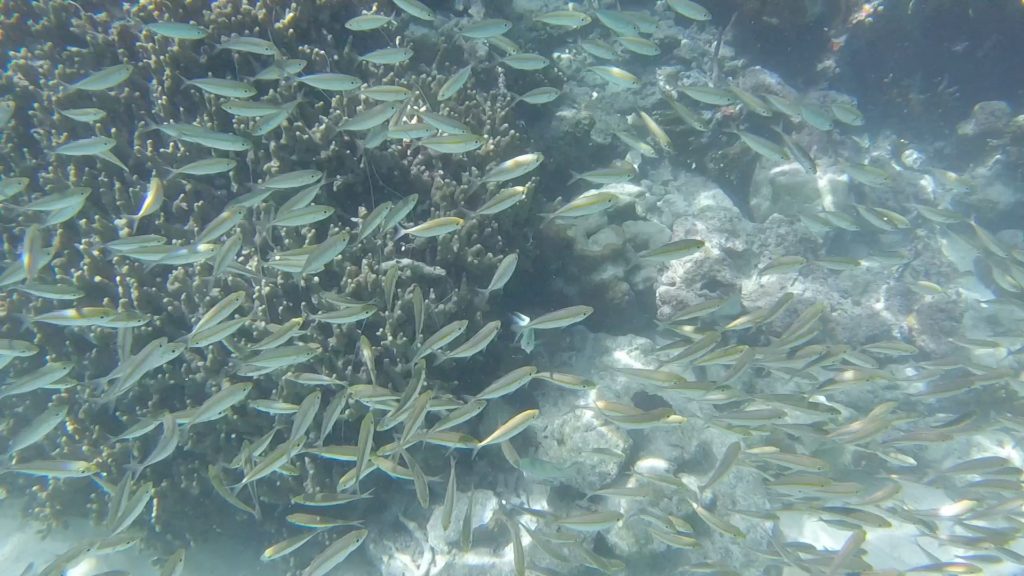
38	428
336	552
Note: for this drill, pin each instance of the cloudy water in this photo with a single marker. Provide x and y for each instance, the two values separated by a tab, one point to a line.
462	287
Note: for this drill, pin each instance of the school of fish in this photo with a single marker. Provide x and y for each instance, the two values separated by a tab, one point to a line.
354	351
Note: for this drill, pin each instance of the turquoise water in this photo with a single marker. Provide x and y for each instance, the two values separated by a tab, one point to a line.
521	287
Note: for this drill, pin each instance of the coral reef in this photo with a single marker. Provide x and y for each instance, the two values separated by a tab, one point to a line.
781	300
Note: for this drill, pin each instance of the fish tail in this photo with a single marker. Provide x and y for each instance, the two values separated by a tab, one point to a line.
511	105
234	365
172	172
107	401
24	321
519	320
133	470
96	383
209	282
523	335
149	127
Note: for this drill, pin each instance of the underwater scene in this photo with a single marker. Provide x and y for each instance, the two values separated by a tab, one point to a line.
511	287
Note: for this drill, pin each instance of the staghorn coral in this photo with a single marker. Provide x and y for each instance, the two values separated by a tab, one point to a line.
174	296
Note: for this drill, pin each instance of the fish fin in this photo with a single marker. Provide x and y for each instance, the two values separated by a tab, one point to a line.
65	88
149	127
133	469
186	81
134	220
633	158
518	321
24	320
7	206
480	295
548	218
527	341
270	34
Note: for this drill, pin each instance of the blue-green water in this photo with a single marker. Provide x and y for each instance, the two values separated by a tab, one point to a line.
519	287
